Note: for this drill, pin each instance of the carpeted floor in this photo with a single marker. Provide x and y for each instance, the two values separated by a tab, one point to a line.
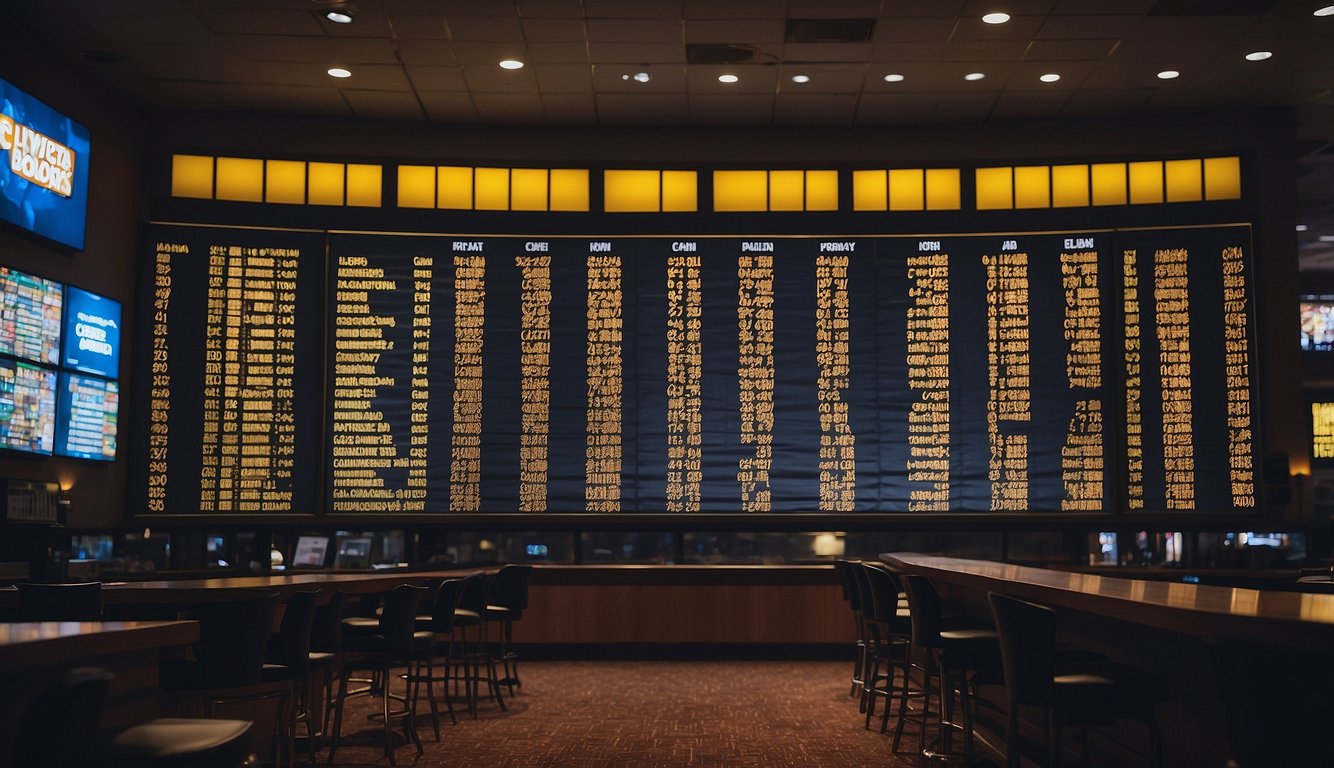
649	715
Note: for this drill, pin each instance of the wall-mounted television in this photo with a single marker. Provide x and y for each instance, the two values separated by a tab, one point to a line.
44	162
354	552
1317	323
27	407
91	340
310	551
30	312
86	417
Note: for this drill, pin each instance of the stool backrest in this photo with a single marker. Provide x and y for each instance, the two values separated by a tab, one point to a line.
59	727
60	602
295	630
924	606
398	620
862	590
233	636
844	570
884	594
509	587
473	597
1028	648
446	601
326	631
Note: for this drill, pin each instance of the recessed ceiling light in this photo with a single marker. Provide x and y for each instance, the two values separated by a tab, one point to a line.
1301	227
1326	11
1258	55
1050	77
894	78
1326	238
996	18
338	16
728	78
801	78
641	77
974	76
1169	74
511	64
339	72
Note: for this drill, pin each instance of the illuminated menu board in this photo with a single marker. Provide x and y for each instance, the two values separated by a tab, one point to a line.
1004	373
88	413
228	354
30	316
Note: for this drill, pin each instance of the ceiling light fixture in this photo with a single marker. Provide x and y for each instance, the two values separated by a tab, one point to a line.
1326	238
1169	74
638	77
996	18
1301	227
511	64
801	78
1050	77
339	72
729	78
894	78
971	76
338	16
1326	11
1258	55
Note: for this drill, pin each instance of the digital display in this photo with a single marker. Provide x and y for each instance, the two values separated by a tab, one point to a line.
27	407
1317	323
44	161
925	374
310	551
87	417
92	333
353	552
30	315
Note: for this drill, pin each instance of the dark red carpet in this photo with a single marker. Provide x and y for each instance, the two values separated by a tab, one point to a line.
650	714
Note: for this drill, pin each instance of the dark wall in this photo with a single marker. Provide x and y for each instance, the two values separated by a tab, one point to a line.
105	266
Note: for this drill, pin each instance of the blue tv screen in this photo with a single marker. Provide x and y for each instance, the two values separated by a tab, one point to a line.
27	407
43	168
87	417
92	333
30	312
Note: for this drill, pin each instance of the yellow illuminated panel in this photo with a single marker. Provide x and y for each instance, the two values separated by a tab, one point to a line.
1069	186
944	191
192	176
453	187
1032	186
1146	182
787	191
240	179
995	188
364	185
326	183
1109	183
1222	178
569	189
869	192
907	189
528	189
740	190
822	190
680	191
1184	181
631	191
491	187
285	181
416	186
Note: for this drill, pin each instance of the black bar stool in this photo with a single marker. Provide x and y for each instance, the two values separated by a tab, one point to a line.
60	602
506	600
289	662
888	643
848	581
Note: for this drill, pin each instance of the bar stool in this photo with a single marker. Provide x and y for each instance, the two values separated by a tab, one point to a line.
441	624
1084	694
289	662
326	650
60	602
888	635
507	597
848	581
473	653
956	658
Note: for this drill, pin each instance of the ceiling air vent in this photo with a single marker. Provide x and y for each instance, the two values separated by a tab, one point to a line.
706	53
829	30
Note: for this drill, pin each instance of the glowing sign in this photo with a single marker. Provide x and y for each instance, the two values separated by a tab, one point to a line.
37	158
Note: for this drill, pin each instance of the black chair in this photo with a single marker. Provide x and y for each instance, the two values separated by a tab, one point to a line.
326	651
289	662
506	600
888	631
1080	693
848	580
60	729
440	622
396	643
473	648
60	602
957	659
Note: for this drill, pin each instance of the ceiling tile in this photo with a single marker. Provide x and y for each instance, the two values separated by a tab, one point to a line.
635	30
554	30
703	80
1017	28
436	78
842	52
382	105
448	106
509	108
261	21
876	109
736	9
1102	6
824	78
844	9
977	8
738	109
493	79
484	29
474	7
734	31
1087	101
907	51
1086	26
1071	50
1029	105
564	78
634	109
476	54
570	108
419	26
664	78
630	9
936	30
636	53
431	52
985	50
551	8
815	109
963	107
557	53
287	99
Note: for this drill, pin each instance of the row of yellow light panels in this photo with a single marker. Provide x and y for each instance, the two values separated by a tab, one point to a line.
651	191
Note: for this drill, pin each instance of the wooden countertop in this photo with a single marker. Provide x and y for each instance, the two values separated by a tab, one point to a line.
26	645
1298	621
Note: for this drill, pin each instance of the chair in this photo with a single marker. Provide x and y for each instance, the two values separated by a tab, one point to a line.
506	599
956	658
850	593
60	730
289	662
326	650
473	654
1081	693
60	602
887	641
441	623
397	642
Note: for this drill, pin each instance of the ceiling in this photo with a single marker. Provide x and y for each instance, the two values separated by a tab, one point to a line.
436	60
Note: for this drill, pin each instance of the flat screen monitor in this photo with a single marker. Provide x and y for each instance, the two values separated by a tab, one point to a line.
92	333
1317	323
27	407
310	551
92	547
354	552
86	417
44	162
30	311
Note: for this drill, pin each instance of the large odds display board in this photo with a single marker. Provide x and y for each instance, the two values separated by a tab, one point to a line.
373	374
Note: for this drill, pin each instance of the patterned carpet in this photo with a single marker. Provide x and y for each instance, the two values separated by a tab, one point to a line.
651	715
